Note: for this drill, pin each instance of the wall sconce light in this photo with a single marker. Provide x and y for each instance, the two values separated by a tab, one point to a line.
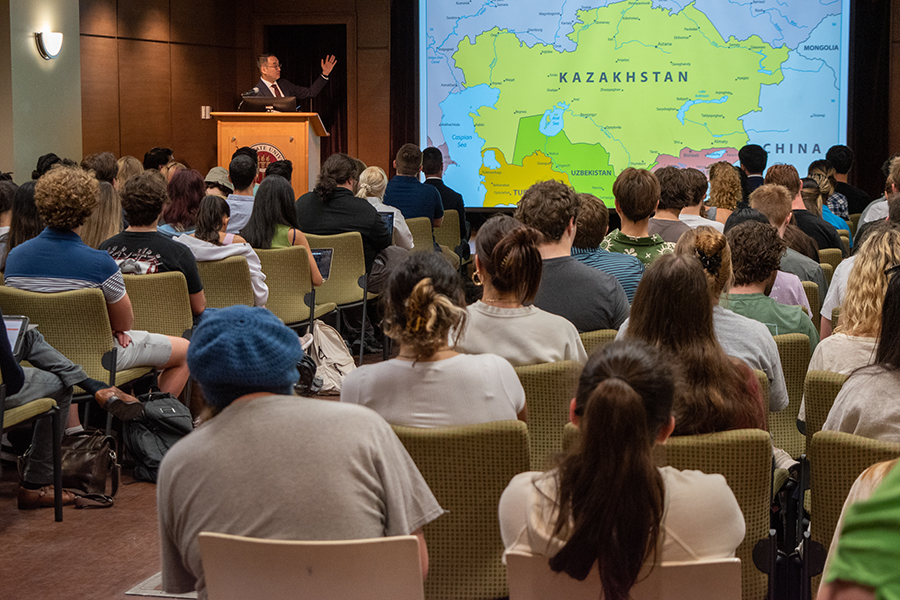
49	43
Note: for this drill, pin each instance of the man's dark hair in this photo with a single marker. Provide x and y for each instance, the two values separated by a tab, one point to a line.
285	168
44	163
263	59
637	193
432	161
143	198
697	183
548	206
103	164
242	171
753	158
246	151
674	188
592	222
7	193
841	158
409	159
742	216
157	157
756	251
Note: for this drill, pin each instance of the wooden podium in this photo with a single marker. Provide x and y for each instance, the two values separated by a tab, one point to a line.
275	136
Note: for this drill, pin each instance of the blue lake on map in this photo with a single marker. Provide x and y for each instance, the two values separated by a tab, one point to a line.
684	107
552	123
490	160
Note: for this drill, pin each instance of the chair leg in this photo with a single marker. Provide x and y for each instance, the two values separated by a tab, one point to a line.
362	329
57	465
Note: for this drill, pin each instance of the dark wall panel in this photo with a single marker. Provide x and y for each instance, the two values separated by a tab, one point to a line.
98	17
193	138
145	96
206	22
99	95
145	19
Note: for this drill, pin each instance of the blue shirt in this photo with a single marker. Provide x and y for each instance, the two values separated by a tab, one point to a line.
413	198
627	269
57	261
835	220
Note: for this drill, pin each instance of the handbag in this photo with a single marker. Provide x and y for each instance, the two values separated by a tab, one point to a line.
148	437
329	352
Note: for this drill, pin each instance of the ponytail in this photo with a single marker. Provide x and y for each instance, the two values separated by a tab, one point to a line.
508	252
337	169
611	495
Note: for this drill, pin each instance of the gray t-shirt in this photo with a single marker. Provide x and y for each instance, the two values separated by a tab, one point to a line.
668	230
806	269
588	298
282	467
241	207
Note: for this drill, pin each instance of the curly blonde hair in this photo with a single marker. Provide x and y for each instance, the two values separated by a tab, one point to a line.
372	182
724	186
66	196
867	285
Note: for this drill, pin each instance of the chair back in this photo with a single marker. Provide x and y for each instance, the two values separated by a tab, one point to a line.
793	349
828	271
763	380
819	391
835	315
845	242
289	280
744	458
226	282
348	268
422	233
854	222
597	340
467	469
531	578
161	303
448	233
832	256
237	567
836	460
549	389
811	289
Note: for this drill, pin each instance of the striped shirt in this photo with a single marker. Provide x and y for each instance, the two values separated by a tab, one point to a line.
58	261
627	269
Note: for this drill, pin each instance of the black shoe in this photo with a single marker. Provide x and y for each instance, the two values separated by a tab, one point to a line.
306	385
371	346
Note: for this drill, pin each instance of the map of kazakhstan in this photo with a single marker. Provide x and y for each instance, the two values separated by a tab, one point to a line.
517	92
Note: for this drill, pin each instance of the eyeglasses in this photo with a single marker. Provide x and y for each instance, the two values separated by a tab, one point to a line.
278	66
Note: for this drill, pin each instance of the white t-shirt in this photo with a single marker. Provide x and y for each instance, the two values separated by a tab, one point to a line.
695	221
840	353
702	519
462	390
523	336
868	405
402	235
835	296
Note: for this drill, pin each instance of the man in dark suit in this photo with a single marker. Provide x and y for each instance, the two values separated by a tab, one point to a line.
753	162
271	84
433	167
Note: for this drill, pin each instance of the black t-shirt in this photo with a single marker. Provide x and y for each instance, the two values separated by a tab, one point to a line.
146	252
451	200
823	232
857	200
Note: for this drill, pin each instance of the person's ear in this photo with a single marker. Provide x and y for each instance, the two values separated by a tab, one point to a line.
575	419
666	430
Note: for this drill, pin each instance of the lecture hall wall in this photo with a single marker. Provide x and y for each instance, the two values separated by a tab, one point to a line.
147	67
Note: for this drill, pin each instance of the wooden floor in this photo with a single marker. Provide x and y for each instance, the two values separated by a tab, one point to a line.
96	554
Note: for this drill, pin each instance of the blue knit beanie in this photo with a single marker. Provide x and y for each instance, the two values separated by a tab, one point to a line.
241	350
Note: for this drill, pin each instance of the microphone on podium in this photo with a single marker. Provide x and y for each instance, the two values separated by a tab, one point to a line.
252	92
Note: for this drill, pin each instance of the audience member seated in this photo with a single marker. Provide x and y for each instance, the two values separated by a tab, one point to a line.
217	182
372	183
157	158
25	222
756	252
607	503
551	207
815	195
822	173
210	242
724	191
45	163
693	215
332	208
503	321
430	384
841	158
673	310
129	167
869	402
242	172
273	223
105	221
675	194
433	169
185	190
739	336
637	194
332	471
285	168
142	250
57	260
877	208
787	289
774	202
406	193
753	159
824	234
591	226
854	342
7	195
103	165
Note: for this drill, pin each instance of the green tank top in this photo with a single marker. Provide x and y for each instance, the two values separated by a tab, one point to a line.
281	238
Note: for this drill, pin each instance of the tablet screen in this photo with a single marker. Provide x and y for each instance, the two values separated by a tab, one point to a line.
323	256
388	219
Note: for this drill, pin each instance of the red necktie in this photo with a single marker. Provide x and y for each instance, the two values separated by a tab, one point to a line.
277	92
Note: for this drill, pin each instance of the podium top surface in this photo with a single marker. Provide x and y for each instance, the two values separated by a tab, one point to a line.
287	117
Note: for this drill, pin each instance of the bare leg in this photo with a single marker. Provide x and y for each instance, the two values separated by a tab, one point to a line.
175	373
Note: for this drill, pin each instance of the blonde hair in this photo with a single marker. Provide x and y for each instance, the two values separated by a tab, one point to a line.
712	249
372	182
106	220
867	285
724	186
129	167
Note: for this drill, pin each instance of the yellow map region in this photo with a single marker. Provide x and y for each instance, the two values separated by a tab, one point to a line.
506	184
642	82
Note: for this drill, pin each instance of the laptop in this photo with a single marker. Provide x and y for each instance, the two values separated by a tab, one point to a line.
323	257
16	326
388	218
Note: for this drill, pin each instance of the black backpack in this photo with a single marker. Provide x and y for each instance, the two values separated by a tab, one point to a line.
148	437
